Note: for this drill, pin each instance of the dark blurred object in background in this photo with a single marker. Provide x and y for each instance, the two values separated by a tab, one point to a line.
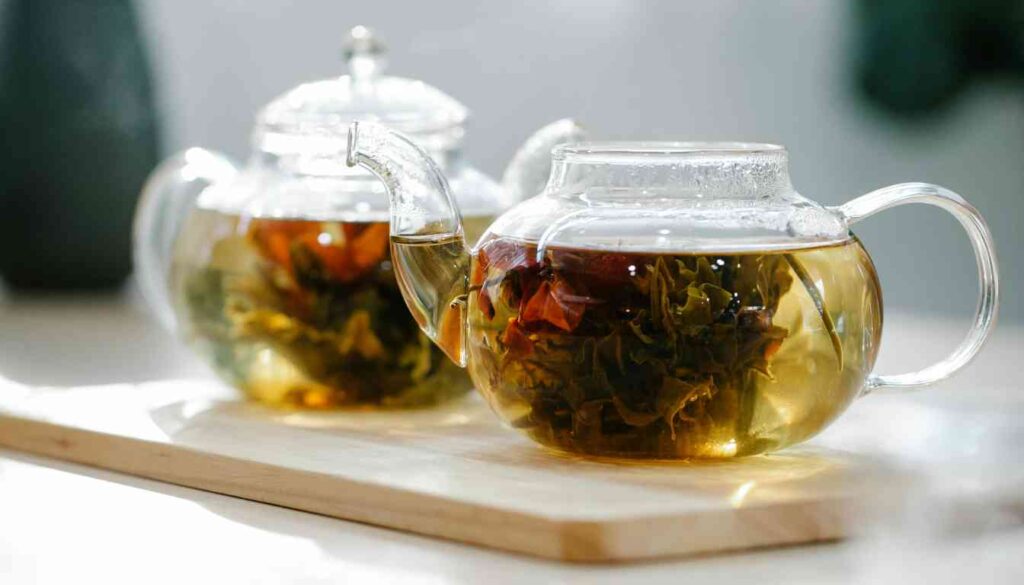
79	137
916	56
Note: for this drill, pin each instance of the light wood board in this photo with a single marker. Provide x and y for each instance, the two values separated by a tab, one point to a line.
452	472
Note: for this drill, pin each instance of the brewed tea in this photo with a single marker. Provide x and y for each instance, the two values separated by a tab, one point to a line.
306	313
431	274
651	355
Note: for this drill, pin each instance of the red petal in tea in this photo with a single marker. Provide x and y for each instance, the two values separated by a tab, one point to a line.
334	258
370	247
502	256
772	348
486	306
274	239
515	341
600	270
346	251
555	303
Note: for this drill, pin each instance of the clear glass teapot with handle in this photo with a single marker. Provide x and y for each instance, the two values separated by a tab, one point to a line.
279	272
657	300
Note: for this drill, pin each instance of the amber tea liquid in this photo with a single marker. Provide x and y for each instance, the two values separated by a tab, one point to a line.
307	313
648	355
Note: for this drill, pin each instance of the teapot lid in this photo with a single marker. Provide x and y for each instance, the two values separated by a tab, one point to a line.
314	117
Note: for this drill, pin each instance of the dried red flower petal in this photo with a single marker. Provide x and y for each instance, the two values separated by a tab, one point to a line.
555	303
502	255
484	302
517	342
772	348
357	251
597	269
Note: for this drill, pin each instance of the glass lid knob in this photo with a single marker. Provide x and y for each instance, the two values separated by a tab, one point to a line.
365	54
312	119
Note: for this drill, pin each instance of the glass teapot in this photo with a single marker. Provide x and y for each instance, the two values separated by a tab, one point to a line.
657	300
279	272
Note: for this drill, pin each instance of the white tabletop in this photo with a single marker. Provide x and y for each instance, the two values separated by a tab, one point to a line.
62	523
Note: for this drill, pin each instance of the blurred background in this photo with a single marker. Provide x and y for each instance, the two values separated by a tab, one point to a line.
863	93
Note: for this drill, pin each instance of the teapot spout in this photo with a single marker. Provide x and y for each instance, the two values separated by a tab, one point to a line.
428	248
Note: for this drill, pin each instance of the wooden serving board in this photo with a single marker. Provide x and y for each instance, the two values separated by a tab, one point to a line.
451	472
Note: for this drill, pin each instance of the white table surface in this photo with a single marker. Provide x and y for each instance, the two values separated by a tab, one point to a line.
65	523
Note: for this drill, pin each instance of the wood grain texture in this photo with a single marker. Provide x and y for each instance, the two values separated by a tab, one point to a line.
451	472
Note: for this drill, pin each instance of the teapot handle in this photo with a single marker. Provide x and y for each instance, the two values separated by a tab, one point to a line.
988	273
168	196
527	172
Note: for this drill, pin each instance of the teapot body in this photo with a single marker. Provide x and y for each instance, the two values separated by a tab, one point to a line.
658	300
632	353
671	301
281	273
286	287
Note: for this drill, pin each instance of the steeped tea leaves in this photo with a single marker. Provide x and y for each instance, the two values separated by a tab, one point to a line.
306	313
670	355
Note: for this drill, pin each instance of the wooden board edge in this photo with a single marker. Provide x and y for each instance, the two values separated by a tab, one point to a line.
728	530
580	541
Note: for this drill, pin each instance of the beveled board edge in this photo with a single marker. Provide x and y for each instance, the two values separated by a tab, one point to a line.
567	540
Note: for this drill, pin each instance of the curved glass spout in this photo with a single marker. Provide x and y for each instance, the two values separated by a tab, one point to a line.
428	248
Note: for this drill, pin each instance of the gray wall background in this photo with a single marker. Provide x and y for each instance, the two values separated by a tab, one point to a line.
758	71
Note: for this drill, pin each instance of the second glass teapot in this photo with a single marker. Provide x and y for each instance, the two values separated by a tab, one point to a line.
657	300
279	273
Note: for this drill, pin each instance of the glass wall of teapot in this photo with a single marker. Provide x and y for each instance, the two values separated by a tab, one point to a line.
657	300
279	273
